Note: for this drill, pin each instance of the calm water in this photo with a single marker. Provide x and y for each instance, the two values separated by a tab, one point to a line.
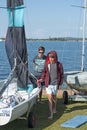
69	53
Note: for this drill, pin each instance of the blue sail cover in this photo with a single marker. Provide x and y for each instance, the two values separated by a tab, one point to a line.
15	41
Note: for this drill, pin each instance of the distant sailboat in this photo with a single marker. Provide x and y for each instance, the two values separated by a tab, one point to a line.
17	95
78	79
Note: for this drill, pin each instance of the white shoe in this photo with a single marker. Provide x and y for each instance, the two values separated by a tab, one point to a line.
50	117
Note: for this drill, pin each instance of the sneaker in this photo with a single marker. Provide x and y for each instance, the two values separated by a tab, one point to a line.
50	117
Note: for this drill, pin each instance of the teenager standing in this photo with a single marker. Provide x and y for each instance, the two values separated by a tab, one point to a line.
38	62
52	75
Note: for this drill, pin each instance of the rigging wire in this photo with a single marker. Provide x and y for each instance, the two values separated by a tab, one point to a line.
27	20
79	31
75	54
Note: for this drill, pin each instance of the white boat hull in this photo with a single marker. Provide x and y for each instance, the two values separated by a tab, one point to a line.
77	80
9	114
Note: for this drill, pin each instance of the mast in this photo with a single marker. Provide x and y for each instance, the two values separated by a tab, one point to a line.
15	57
84	35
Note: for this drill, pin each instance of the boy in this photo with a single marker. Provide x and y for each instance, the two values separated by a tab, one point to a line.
53	76
39	61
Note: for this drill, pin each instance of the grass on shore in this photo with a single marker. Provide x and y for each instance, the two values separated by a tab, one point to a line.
64	113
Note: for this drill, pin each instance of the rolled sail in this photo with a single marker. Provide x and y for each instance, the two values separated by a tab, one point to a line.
15	41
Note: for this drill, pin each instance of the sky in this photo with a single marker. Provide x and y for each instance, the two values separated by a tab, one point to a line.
48	18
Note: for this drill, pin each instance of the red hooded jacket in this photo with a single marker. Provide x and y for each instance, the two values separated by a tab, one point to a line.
45	73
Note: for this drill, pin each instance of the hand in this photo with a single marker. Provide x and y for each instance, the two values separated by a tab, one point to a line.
60	87
39	82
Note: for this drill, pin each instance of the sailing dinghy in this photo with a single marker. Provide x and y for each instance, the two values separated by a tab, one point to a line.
77	80
17	95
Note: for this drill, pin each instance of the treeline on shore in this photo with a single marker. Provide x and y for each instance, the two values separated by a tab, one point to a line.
54	39
59	39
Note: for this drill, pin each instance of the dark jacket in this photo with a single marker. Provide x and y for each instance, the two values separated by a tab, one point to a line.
45	73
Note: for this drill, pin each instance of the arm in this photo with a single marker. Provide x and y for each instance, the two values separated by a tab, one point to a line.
34	61
43	74
61	73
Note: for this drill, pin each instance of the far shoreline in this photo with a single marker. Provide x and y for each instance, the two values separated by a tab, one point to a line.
68	39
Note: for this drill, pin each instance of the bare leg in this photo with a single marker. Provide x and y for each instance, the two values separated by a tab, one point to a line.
40	95
54	103
50	106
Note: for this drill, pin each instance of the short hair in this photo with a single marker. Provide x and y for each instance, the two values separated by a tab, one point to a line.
41	48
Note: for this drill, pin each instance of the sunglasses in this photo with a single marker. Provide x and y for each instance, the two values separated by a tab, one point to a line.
41	52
